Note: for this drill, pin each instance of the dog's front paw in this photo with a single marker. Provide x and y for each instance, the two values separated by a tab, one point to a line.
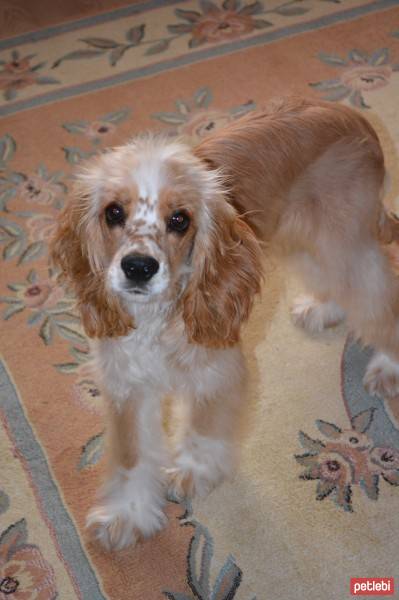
130	508
200	465
115	530
187	483
382	376
314	316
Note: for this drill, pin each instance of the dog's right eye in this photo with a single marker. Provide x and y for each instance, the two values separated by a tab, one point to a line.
115	214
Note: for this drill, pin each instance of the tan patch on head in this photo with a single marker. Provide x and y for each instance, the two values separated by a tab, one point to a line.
81	248
126	197
116	235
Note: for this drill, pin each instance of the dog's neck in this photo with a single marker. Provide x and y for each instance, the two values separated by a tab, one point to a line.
150	318
144	311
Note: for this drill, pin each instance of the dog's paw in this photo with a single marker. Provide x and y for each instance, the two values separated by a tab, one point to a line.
382	376
115	530
186	482
200	465
314	316
130	509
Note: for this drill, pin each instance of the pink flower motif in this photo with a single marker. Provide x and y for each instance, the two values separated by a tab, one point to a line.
98	129
16	81
85	391
195	120
19	73
217	24
346	458
223	25
351	440
332	467
365	78
42	294
18	65
24	573
360	72
36	189
203	122
334	472
41	227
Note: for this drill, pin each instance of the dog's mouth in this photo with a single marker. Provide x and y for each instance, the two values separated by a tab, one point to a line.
140	294
136	291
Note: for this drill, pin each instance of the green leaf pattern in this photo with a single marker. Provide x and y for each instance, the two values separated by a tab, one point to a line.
228	14
200	557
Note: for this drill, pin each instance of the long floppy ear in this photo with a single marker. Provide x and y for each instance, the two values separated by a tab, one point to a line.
226	275
73	250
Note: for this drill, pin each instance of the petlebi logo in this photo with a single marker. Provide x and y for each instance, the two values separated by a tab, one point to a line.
372	586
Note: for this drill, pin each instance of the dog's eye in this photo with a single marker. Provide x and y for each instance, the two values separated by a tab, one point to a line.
115	214
179	222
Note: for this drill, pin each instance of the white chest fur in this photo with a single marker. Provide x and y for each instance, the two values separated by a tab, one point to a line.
157	357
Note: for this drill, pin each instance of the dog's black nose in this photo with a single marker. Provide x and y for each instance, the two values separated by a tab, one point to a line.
139	268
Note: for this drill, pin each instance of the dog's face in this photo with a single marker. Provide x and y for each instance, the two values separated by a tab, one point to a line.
148	242
150	222
148	215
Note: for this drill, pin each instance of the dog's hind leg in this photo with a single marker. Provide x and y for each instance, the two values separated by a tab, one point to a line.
361	281
375	319
314	314
314	311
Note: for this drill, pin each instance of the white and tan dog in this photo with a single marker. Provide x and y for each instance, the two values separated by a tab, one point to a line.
162	246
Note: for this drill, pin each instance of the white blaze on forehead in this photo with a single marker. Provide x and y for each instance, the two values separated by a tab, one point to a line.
152	164
150	176
147	164
146	211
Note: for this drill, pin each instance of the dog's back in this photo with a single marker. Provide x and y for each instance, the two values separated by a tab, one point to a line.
296	156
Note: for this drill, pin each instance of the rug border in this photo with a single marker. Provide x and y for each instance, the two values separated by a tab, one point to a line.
74	25
198	56
55	512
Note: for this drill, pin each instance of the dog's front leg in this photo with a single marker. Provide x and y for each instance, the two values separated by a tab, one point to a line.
207	444
131	500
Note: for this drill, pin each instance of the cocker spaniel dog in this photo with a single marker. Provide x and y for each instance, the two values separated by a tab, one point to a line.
162	245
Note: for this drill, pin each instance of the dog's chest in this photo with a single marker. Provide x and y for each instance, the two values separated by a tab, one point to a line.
143	359
157	358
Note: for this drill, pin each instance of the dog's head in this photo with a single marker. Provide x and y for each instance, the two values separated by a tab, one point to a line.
150	222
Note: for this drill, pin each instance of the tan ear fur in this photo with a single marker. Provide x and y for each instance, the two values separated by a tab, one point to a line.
227	273
102	314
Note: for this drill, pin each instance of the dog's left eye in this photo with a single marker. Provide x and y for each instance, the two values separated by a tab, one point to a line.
179	222
115	214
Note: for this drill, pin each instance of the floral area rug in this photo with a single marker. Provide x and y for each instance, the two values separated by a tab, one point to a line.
316	498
